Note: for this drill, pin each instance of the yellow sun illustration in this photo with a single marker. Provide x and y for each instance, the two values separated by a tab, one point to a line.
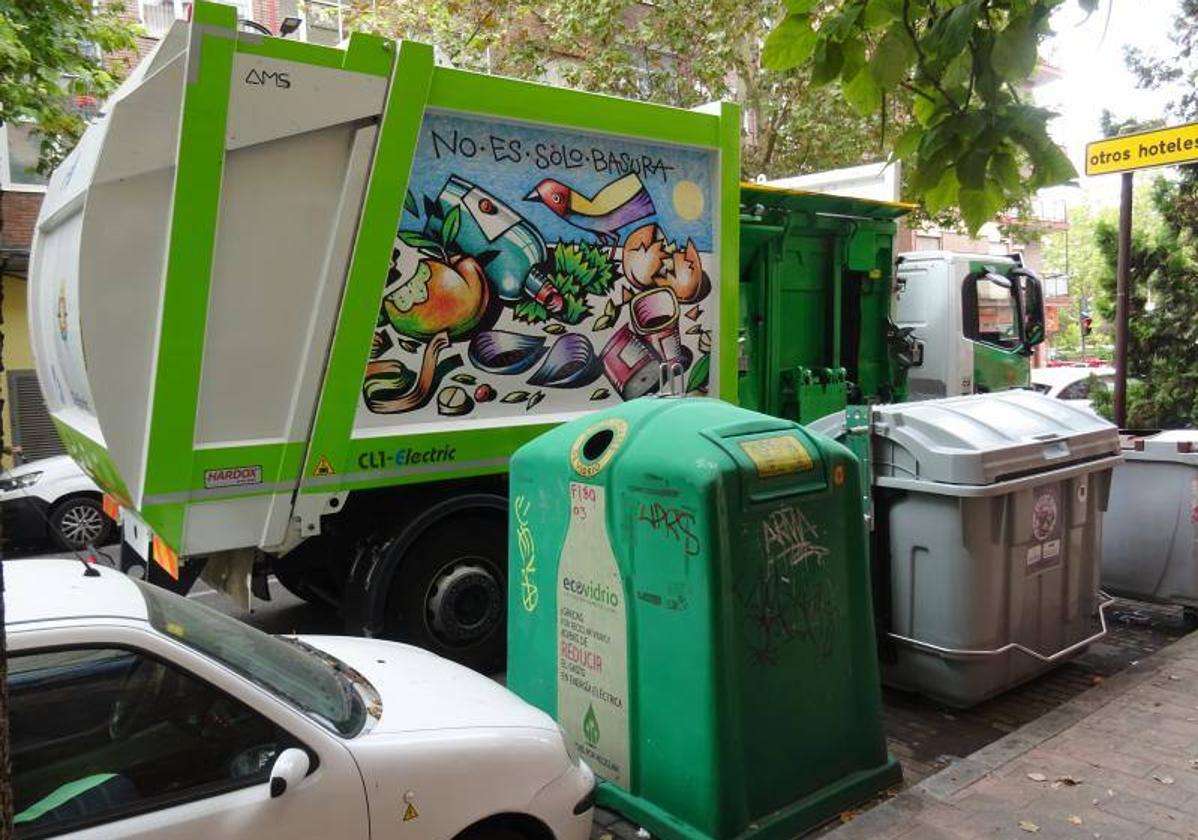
688	200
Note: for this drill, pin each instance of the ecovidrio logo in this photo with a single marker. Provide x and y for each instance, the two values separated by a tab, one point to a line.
596	593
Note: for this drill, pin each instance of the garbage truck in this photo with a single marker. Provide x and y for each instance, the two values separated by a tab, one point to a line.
974	321
294	307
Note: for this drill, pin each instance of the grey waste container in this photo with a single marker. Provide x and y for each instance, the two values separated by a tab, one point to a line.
986	540
1150	533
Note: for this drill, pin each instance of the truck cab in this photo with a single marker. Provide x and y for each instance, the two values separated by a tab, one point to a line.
975	320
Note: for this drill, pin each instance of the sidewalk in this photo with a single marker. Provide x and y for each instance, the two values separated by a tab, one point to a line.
1119	761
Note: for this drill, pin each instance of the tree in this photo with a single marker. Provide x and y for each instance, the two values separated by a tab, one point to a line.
974	142
49	52
1163	334
671	52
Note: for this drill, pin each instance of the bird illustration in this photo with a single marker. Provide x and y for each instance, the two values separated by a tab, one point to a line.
615	205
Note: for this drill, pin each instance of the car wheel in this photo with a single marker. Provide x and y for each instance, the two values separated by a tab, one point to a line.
449	593
79	522
489	833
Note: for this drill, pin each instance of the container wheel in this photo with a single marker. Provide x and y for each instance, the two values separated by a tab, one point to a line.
78	522
449	593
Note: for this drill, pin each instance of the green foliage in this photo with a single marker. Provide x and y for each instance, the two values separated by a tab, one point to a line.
962	64
46	59
1163	305
580	269
530	312
675	52
588	266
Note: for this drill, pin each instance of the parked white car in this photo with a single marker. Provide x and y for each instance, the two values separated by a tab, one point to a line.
53	499
136	713
1071	383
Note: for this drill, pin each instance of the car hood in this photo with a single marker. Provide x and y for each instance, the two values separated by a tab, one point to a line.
421	691
54	467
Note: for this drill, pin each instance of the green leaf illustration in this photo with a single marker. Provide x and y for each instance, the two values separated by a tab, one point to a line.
699	375
409	204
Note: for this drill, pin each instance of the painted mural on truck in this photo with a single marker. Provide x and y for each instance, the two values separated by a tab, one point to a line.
539	271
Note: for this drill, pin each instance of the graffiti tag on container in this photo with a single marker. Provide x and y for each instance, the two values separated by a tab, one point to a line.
528	555
674	522
791	596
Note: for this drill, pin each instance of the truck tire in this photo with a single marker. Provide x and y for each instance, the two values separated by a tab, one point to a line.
78	522
449	592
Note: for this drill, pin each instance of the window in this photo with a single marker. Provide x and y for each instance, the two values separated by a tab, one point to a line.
990	310
158	15
288	669
100	734
1075	390
927	242
20	148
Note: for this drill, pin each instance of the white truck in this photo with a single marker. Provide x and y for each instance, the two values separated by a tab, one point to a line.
293	307
975	320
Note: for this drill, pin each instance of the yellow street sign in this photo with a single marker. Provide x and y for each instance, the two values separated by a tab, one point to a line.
1164	147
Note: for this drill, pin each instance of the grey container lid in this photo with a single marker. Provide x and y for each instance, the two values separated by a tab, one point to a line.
1178	446
985	438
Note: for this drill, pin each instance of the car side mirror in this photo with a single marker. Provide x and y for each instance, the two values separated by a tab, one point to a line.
289	770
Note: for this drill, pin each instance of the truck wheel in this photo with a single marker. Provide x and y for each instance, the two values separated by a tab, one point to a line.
79	522
449	593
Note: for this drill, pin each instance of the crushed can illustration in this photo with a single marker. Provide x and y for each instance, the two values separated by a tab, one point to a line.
650	338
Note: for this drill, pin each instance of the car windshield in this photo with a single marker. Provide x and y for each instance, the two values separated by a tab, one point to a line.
310	683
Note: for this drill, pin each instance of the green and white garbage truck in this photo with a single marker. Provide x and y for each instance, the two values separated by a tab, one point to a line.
294	307
300	304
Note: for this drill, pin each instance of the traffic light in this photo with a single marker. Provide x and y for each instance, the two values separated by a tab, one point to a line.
1087	323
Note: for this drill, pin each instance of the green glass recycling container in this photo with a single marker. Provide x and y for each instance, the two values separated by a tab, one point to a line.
690	599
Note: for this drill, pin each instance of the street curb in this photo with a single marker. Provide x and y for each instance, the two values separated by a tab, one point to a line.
899	814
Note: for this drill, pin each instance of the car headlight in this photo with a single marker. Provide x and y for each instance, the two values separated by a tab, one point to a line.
19	481
568	743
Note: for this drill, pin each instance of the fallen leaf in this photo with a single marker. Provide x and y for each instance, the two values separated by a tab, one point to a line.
849	816
602	394
515	396
1074	819
464	378
1069	781
1174	677
1037	777
554	329
1164	780
1029	826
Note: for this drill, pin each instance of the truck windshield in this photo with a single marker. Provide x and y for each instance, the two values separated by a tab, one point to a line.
310	683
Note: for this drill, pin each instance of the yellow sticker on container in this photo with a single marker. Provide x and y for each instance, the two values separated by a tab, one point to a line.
779	455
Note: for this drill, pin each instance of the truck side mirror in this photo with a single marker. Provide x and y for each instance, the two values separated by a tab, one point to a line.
991	310
1031	292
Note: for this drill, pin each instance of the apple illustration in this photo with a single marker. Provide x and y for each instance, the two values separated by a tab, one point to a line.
439	296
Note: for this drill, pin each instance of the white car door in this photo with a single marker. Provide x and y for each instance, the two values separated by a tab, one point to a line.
117	732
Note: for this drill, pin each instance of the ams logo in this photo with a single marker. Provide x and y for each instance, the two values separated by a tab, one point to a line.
266	78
